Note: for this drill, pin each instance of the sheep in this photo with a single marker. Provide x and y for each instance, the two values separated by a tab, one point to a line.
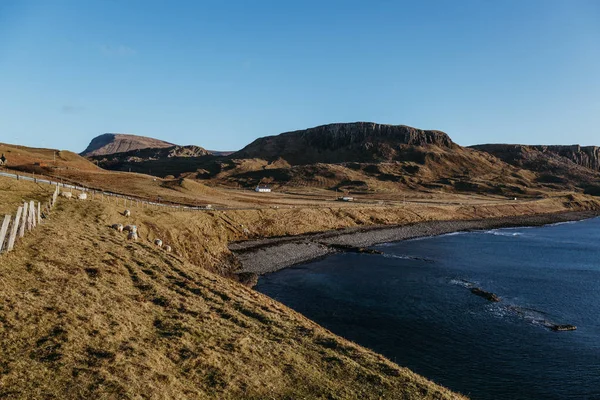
132	236
82	196
127	213
130	228
118	227
167	248
158	242
67	195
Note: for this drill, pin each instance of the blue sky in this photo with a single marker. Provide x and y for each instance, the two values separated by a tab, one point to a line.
221	73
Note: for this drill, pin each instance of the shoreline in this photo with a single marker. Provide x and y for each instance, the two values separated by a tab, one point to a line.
267	255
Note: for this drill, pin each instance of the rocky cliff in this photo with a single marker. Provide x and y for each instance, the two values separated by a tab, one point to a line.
586	156
532	156
343	142
111	143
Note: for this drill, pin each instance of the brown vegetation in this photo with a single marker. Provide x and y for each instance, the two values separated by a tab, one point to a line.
86	314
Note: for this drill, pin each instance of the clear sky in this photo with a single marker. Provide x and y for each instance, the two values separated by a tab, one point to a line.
221	73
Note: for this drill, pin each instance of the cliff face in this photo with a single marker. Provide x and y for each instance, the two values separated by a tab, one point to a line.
587	156
343	142
111	143
534	156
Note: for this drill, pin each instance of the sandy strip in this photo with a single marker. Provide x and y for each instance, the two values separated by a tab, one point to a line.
269	255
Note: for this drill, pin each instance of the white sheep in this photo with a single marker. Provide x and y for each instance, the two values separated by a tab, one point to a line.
67	195
132	236
158	242
130	228
167	248
82	196
118	227
127	213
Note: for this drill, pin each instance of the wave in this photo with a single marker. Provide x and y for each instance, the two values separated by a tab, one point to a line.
453	233
565	223
406	257
462	282
497	232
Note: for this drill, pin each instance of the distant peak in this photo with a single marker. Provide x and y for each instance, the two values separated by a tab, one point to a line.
110	143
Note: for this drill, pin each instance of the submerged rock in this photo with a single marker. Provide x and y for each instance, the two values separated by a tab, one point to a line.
565	327
486	295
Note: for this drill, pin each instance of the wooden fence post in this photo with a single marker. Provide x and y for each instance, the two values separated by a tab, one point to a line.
39	214
3	230
32	215
15	228
23	220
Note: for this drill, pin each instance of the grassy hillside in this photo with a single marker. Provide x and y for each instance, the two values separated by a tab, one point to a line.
86	314
43	160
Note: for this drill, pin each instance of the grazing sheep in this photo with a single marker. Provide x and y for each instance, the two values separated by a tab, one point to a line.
82	196
158	242
130	228
67	195
167	248
127	213
132	236
118	227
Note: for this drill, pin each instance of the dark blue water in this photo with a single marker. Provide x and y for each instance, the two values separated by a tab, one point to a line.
413	305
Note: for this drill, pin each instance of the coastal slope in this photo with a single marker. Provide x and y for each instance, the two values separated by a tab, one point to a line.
86	314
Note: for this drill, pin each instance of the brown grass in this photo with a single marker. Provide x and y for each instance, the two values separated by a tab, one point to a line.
86	314
14	192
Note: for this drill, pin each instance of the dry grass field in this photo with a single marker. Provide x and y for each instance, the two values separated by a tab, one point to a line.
86	314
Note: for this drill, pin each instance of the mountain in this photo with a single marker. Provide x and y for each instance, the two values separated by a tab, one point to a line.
110	143
367	156
344	142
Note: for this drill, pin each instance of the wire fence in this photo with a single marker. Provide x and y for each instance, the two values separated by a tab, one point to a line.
103	195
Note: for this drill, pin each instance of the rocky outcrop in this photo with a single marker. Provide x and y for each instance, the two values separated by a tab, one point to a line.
562	328
111	143
486	295
352	249
343	142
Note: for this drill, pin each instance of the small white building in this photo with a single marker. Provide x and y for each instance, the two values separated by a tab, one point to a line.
263	188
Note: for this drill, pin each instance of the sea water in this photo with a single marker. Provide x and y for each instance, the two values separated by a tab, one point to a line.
413	304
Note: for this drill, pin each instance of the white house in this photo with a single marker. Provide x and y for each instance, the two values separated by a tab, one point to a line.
263	188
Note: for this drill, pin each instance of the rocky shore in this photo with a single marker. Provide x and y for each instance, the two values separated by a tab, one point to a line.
272	254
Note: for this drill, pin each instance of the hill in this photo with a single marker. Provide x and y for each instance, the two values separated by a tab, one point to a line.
366	156
172	160
110	143
39	160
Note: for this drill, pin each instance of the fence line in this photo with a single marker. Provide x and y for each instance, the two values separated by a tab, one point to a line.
125	200
27	218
